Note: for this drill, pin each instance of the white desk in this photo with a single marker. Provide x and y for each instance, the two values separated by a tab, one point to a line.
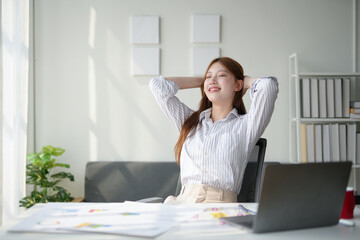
187	232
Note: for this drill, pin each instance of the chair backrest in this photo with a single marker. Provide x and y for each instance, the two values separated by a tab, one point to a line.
110	181
250	188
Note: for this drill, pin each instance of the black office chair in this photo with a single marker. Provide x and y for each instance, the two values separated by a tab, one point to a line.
131	181
115	181
250	188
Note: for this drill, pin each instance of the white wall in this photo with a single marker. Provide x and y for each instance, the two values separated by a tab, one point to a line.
87	102
1	121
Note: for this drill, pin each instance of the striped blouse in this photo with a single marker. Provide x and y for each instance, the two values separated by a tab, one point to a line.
217	154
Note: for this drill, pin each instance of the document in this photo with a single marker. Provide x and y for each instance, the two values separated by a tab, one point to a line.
136	219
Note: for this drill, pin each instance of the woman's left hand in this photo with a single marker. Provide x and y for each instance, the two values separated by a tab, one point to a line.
247	83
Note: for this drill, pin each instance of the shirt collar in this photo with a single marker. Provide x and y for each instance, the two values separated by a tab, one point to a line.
207	113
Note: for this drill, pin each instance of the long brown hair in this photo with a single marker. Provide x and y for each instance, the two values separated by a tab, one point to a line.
191	122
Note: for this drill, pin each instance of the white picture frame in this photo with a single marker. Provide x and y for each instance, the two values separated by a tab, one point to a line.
145	61
202	56
145	29
206	29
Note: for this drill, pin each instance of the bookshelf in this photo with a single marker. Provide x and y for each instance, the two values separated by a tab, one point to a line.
296	118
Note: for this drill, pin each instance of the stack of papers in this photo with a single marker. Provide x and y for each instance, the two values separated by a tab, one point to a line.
129	218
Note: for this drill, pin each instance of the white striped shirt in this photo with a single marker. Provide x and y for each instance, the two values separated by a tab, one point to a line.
217	153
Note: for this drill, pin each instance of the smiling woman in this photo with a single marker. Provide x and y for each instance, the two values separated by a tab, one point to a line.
212	169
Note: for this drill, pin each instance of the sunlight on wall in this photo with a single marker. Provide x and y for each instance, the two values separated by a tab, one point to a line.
93	146
92	90
93	141
92	23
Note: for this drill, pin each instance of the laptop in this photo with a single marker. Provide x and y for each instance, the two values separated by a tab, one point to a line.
296	196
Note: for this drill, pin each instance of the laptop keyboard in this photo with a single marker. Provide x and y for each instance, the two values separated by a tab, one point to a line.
246	221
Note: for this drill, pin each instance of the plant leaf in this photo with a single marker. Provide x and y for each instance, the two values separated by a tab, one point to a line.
45	187
55	151
63	175
65	165
32	157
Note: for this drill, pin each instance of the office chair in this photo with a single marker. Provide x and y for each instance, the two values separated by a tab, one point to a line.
114	181
250	188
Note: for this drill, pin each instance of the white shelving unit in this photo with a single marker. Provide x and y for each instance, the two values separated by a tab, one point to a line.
295	112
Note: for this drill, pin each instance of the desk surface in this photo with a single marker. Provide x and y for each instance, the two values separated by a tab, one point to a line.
190	231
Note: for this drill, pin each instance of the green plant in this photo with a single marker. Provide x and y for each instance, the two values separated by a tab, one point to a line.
45	185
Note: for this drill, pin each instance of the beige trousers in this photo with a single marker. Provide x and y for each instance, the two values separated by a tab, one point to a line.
202	194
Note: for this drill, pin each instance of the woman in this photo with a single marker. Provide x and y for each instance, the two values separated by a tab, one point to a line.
215	141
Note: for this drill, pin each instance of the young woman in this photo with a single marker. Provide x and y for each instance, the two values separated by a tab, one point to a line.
215	141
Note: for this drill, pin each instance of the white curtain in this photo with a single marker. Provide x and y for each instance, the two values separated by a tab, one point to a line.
15	78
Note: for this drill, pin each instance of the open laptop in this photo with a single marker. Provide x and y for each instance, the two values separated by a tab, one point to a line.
295	196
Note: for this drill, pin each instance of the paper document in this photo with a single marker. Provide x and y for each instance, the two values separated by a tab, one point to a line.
136	219
209	222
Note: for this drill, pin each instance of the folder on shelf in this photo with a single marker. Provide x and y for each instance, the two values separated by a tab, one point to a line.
335	143
305	97
342	140
326	142
346	97
314	98
322	98
330	98
303	143
318	143
310	143
338	97
351	142
357	148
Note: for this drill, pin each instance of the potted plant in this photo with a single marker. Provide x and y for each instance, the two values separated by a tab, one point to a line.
45	184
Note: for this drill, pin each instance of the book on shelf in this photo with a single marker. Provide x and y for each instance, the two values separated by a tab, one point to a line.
326	142
335	142
326	98
329	142
314	97
330	98
354	115
338	97
346	97
351	142
322	98
318	143
354	110
303	143
342	140
358	148
310	142
355	104
305	96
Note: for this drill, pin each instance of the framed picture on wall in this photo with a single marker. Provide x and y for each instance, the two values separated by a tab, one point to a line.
145	29
145	61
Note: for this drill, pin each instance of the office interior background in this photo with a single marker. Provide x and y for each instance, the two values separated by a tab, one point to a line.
83	97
